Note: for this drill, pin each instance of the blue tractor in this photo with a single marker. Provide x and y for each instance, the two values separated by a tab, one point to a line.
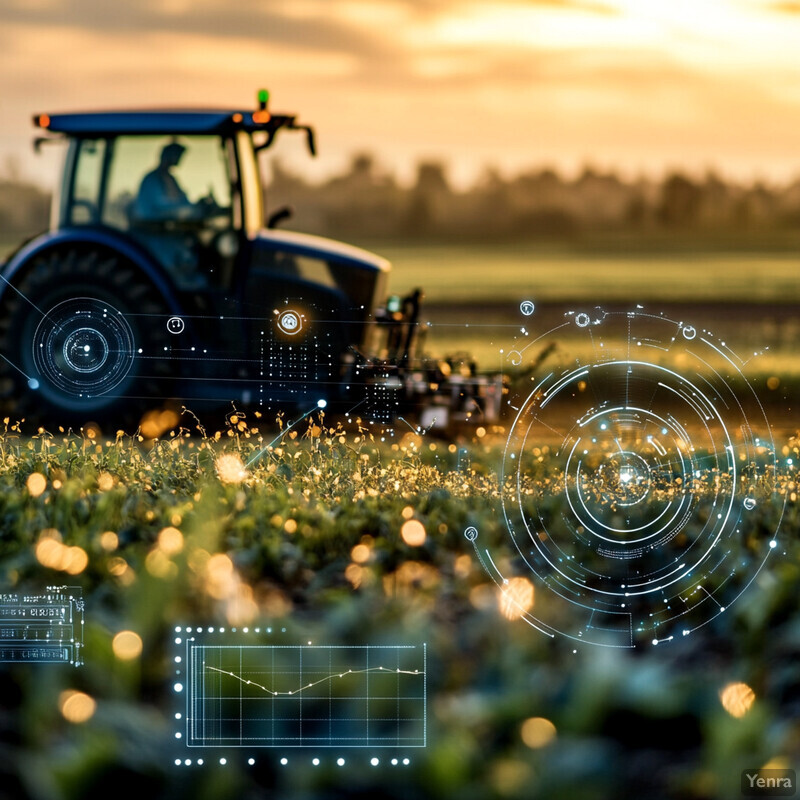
159	282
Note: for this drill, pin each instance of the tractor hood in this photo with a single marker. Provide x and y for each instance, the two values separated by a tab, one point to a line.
304	244
359	278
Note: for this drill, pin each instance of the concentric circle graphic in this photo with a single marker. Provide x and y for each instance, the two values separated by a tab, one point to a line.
290	322
633	481
83	346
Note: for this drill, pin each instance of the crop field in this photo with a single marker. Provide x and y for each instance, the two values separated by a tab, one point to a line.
330	533
311	534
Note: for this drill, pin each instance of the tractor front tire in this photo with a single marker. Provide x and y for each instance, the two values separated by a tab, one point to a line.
82	336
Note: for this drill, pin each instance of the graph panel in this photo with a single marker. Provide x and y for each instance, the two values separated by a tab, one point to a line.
294	696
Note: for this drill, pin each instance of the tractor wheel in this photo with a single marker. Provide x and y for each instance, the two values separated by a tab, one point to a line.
81	331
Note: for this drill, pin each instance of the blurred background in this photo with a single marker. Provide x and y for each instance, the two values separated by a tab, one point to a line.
572	152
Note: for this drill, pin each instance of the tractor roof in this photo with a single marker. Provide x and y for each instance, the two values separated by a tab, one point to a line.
105	123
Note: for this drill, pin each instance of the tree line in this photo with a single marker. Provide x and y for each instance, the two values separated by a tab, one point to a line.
368	202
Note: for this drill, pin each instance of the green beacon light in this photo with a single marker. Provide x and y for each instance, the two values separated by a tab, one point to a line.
263	99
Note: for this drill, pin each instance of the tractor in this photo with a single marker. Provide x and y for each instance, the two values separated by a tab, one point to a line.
162	281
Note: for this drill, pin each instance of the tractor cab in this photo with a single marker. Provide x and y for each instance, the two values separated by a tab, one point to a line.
184	188
184	185
174	195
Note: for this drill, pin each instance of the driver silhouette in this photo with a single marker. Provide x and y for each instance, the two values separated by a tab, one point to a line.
160	195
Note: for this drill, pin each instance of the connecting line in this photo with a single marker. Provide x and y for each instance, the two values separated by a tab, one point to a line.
14	366
27	300
320	404
316	683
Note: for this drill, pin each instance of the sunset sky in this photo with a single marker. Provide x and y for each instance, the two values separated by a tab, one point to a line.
636	85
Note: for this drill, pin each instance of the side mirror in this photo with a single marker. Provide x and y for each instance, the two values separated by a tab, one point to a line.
276	217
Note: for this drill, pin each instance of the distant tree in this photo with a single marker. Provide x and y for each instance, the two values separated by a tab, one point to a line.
680	201
428	199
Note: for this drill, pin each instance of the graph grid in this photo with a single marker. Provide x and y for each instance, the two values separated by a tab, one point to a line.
305	695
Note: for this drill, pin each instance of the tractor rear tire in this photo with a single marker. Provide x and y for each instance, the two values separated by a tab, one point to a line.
82	335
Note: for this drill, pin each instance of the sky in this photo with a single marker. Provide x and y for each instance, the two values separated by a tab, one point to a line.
639	86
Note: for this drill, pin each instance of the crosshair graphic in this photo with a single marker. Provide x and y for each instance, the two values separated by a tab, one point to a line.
647	527
83	346
290	322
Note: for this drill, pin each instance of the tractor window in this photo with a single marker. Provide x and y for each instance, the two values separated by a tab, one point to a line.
164	179
84	208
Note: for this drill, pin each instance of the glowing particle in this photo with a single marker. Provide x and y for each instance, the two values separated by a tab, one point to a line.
170	541
516	598
76	707
36	484
737	698
537	732
230	468
127	645
413	533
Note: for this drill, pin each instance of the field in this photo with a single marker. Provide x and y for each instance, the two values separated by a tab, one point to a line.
328	534
310	537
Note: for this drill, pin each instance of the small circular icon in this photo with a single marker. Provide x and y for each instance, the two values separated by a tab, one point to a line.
471	533
527	307
290	322
175	325
749	503
689	332
582	320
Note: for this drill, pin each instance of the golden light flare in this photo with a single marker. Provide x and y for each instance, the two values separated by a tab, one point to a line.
410	577
516	598
109	541
170	541
157	422
537	732
231	468
361	553
52	553
127	645
241	607
354	574
76	707
159	564
413	533
36	484
737	699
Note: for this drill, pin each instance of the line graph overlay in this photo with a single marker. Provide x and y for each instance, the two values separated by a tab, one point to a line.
305	695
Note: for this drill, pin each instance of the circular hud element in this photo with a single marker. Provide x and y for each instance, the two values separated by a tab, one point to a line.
634	476
83	346
290	322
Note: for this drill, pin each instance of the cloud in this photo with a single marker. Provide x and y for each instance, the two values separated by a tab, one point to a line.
785	7
268	21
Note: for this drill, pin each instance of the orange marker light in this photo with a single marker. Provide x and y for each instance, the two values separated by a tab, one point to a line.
261	117
44	120
237	117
